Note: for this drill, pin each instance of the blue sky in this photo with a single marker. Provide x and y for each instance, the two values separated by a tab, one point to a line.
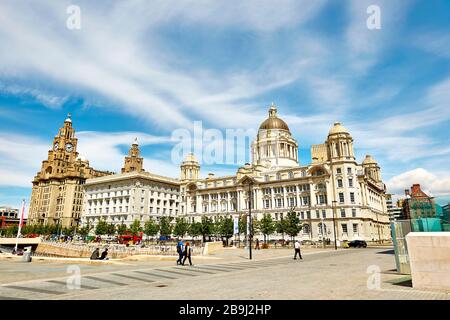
146	68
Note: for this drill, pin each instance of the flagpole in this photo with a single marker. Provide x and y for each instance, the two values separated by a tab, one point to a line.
20	225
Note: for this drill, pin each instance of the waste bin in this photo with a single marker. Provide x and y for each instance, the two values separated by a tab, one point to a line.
26	254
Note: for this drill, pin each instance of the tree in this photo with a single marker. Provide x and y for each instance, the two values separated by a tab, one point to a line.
225	228
165	226
121	229
293	225
281	226
181	227
135	228
84	231
101	228
195	229
151	228
207	227
267	226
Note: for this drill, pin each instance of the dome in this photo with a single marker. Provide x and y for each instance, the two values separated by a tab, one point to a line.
338	128
68	118
190	158
273	122
369	160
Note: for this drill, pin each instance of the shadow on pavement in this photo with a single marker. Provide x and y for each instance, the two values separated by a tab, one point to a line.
386	252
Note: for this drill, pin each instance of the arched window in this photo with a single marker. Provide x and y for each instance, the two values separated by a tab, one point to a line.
278	176
291	175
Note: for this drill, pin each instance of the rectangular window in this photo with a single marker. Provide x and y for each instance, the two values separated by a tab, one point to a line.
355	228
324	214
317	214
341	197
302	215
308	214
353	213
342	213
344	228
352	197
338	171
349	170
339	183
350	182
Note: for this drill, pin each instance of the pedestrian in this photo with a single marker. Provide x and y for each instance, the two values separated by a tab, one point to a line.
187	254
95	254
180	251
297	250
257	244
104	254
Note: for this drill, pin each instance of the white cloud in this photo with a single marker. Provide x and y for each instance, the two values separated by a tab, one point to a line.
430	183
21	155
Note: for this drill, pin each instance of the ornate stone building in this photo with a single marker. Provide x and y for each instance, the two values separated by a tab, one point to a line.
57	194
133	194
334	187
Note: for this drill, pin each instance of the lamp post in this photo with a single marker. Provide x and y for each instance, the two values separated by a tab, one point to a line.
334	223
250	236
323	231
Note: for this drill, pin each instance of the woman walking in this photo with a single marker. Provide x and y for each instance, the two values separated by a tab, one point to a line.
187	253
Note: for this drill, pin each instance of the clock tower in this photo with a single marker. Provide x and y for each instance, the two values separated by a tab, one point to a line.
57	194
133	162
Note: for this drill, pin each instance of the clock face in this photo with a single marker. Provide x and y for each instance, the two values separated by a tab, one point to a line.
69	147
55	146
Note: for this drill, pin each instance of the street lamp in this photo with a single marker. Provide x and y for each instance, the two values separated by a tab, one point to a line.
250	236
323	231
334	223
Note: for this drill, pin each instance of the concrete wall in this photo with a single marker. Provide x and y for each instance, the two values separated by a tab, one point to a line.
212	247
429	256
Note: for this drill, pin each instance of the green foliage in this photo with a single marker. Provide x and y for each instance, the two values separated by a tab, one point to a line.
243	224
293	225
151	228
207	227
121	229
267	225
135	228
165	226
84	231
281	226
181	227
101	228
224	227
195	229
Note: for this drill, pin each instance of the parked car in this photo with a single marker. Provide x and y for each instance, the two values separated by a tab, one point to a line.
357	244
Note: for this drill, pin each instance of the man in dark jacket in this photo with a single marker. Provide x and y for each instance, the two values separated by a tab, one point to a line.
180	252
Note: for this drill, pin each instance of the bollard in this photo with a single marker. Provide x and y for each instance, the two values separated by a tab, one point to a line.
26	254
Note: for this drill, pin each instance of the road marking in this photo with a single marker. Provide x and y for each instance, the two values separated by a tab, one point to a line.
65	284
214	268
34	290
131	277
106	280
202	271
156	275
182	273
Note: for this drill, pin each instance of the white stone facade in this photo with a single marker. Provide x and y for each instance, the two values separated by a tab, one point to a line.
334	184
125	197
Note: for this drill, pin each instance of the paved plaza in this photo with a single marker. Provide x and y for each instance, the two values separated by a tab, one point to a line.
273	274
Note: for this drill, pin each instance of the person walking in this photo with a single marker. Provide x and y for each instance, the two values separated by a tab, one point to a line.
257	244
297	250
187	254
180	251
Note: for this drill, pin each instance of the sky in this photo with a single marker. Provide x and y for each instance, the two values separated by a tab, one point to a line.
146	69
